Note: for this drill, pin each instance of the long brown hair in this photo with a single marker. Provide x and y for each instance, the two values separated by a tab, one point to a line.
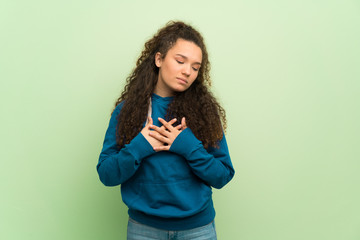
204	115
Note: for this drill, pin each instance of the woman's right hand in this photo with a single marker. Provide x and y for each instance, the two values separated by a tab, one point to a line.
145	132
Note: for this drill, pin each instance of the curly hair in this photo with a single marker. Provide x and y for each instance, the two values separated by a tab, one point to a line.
204	115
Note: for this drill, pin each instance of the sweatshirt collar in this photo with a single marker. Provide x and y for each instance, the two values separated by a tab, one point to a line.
160	99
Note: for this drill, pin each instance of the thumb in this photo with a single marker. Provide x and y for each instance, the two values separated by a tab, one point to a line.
183	123
150	121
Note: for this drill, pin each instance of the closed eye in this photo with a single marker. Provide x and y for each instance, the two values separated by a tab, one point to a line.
180	62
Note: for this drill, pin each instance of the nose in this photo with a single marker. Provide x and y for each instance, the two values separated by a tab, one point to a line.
186	69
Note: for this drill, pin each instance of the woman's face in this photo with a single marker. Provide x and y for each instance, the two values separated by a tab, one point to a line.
179	69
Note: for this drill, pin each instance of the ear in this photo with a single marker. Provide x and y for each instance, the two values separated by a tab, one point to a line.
158	59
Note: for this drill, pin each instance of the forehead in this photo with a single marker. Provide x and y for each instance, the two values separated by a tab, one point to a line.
187	49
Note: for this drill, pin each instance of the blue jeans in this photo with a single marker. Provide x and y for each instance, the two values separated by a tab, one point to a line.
138	231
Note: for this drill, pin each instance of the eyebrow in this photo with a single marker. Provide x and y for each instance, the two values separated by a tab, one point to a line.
187	58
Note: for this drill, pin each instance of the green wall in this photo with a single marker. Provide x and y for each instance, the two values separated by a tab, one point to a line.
287	72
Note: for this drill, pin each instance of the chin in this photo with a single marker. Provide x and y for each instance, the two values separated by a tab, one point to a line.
180	90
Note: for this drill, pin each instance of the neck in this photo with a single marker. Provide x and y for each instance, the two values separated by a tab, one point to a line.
163	92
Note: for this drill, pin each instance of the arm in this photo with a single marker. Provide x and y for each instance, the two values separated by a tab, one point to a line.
213	166
115	165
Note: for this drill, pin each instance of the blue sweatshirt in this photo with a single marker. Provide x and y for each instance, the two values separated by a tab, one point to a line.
169	190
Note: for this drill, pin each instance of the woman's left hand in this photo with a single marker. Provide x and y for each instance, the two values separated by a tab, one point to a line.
166	133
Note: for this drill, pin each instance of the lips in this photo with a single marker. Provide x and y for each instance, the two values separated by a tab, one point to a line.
182	80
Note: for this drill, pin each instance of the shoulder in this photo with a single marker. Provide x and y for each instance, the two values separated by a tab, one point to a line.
117	109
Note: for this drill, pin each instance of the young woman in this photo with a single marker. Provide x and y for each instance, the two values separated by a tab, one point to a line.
165	143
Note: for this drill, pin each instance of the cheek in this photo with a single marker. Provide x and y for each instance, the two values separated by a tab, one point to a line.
192	80
195	75
164	71
170	69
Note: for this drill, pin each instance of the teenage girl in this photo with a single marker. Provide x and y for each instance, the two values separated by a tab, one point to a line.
165	143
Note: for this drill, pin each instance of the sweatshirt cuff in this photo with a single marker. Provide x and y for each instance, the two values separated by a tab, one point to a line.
140	148
185	143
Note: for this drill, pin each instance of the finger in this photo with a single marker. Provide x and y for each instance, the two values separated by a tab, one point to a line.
172	121
167	124
162	148
165	127
183	123
178	127
147	126
150	121
159	137
161	130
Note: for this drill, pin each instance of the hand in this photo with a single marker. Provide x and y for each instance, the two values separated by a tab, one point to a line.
167	133
145	132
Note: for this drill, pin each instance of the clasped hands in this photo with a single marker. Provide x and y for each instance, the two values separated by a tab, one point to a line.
161	138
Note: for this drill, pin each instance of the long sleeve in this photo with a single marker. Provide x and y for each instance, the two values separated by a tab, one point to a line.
213	166
116	166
